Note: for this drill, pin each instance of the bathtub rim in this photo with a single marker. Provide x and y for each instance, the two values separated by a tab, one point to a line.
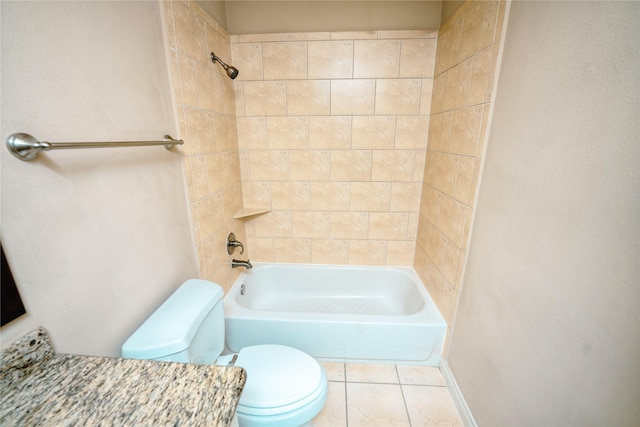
429	313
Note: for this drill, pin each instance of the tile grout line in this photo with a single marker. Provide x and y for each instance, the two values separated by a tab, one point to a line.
404	400
346	397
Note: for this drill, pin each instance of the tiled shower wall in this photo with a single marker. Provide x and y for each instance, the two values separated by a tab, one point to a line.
332	131
468	45
205	106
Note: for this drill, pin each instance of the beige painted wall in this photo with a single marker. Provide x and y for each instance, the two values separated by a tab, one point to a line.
332	131
548	332
205	104
97	238
468	48
263	17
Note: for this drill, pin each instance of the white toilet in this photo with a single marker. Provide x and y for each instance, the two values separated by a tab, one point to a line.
285	386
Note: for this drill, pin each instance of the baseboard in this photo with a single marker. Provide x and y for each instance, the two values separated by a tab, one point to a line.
458	399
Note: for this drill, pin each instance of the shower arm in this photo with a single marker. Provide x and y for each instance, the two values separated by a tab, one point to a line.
232	72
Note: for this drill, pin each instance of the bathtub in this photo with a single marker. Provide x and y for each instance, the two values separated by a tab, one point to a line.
336	313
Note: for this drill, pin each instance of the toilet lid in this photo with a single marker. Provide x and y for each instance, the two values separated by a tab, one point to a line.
278	376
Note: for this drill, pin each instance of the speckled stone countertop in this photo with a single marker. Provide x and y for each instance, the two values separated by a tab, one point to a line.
39	387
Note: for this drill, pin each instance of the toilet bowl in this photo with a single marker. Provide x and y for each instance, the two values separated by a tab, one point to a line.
285	386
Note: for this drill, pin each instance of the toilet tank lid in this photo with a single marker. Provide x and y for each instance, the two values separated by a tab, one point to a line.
172	326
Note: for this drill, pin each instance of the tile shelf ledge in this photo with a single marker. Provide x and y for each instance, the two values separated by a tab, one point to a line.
248	212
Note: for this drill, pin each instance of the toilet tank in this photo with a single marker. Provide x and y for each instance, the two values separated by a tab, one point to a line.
188	327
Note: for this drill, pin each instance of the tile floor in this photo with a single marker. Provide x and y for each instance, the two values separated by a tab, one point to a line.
386	395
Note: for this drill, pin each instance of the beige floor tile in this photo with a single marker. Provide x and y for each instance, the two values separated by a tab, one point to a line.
334	413
375	405
372	374
430	406
420	375
334	370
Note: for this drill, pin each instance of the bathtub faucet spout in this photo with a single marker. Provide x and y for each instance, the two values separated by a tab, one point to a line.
238	263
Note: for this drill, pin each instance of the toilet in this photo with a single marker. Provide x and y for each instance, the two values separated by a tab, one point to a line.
284	387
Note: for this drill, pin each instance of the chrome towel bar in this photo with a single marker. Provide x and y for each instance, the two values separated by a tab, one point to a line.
26	147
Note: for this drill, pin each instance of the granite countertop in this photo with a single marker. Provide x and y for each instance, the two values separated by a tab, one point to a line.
40	387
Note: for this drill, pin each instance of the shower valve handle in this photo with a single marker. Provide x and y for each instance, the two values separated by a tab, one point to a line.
232	244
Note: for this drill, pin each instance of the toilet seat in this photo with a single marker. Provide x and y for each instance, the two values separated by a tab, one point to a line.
280	380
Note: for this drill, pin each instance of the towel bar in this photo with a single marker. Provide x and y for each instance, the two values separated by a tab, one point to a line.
26	147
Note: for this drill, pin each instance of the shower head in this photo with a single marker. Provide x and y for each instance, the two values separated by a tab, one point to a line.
231	71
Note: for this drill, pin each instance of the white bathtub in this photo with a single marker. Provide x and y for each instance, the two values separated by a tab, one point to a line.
336	313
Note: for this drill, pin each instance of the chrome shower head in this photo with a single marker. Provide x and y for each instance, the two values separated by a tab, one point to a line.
231	71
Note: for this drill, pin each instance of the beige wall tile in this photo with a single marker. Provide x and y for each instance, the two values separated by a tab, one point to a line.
292	250
376	58
271	224
231	201
425	96
256	194
248	58
373	132
452	267
326	251
188	81
352	97
284	61
252	132
330	132
308	97
201	134
330	59
309	165
412	132
398	96
435	245
451	219
405	196
400	253
465	130
388	225
412	231
448	48
261	249
289	195
440	131
417	57
288	132
392	165
190	32
223	170
329	196
367	252
310	225
457	85
370	196
418	165
265	98
210	215
268	165
479	27
209	89
349	225
430	203
467	180
216	42
226	132
442	171
481	77
437	97
197	168
174	74
352	165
